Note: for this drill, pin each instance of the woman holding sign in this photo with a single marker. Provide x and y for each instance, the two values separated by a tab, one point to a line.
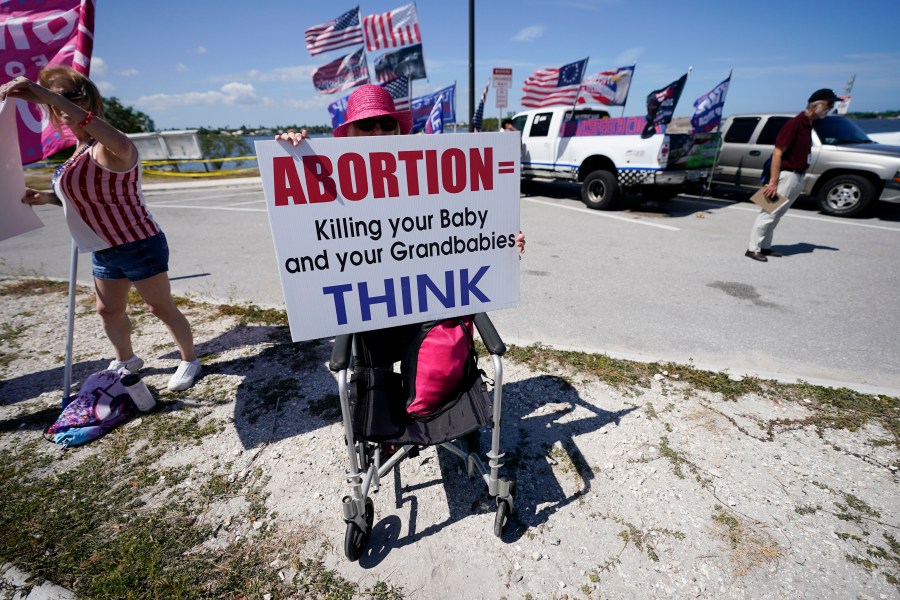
99	188
370	111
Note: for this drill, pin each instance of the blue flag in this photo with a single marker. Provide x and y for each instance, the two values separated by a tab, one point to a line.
421	107
708	108
435	123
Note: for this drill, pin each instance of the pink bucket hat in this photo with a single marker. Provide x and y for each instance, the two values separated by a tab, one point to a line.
372	100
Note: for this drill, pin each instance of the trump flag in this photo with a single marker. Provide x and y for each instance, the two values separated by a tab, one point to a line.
708	108
342	74
36	33
661	105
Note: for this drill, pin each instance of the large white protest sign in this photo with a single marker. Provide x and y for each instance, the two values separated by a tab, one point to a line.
17	217
374	232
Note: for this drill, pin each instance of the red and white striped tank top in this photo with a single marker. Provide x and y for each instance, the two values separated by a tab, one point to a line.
109	203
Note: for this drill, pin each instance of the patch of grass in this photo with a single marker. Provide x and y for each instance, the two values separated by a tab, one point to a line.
163	429
254	314
85	526
35	287
749	548
832	408
644	539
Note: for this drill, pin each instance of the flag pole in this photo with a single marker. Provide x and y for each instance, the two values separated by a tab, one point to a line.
578	93
70	325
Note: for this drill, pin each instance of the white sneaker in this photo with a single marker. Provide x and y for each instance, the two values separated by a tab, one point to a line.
184	376
133	364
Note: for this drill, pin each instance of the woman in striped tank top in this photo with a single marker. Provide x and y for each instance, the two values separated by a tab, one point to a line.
99	188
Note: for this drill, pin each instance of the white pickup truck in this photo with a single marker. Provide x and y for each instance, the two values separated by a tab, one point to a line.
608	156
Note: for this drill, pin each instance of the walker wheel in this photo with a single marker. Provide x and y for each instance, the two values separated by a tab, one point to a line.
502	517
355	539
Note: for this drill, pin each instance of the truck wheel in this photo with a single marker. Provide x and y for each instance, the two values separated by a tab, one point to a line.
846	195
600	190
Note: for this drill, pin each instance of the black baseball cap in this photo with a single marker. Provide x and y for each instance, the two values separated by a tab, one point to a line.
823	94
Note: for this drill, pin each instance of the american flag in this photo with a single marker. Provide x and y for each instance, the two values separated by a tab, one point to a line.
342	74
338	33
479	112
549	87
399	90
392	29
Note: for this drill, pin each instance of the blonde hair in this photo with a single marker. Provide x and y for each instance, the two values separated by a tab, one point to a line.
89	96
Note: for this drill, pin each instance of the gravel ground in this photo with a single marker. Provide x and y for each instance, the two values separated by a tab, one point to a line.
665	492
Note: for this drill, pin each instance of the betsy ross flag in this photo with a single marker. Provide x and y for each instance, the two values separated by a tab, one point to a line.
708	108
398	88
479	112
392	29
435	123
342	74
549	87
607	87
661	105
34	33
338	33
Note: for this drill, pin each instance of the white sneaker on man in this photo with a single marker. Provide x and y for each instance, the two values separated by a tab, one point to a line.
185	375
133	364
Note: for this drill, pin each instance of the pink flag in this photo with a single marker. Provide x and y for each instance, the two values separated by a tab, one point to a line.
392	29
34	34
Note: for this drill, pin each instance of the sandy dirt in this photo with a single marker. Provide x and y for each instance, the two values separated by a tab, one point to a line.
664	492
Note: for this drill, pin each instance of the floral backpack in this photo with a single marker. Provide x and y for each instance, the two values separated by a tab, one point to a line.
102	403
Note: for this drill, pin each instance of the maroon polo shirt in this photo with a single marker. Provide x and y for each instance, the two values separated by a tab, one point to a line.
796	139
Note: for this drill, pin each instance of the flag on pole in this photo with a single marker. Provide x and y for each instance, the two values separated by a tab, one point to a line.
708	108
398	88
435	123
342	74
479	112
661	105
549	87
60	33
409	62
422	106
392	29
607	87
338	33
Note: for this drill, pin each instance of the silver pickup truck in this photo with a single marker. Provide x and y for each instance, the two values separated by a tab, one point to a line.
848	171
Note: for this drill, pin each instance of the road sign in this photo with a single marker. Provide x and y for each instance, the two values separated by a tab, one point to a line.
502	78
502	97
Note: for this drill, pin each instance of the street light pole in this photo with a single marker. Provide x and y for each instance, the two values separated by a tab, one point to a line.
471	64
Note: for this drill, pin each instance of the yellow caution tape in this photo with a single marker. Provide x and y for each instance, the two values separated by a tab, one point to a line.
154	163
218	173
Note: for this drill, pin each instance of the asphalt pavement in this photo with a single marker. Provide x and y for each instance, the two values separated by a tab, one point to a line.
664	281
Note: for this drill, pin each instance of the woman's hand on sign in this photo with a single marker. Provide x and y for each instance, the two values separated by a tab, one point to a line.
293	137
520	243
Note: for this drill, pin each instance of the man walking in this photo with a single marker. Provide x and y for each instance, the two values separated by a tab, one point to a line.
790	160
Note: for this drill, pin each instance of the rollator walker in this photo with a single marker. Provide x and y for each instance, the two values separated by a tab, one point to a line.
373	409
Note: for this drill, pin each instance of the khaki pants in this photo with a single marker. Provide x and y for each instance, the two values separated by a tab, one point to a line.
790	184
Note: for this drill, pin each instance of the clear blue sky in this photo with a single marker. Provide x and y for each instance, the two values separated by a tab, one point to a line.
202	63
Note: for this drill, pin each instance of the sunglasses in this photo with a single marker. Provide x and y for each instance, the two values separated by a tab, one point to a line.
386	124
72	94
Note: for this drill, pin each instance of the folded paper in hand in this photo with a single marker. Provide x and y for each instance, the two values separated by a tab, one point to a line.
765	203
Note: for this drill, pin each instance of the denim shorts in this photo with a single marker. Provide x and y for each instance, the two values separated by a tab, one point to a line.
133	261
